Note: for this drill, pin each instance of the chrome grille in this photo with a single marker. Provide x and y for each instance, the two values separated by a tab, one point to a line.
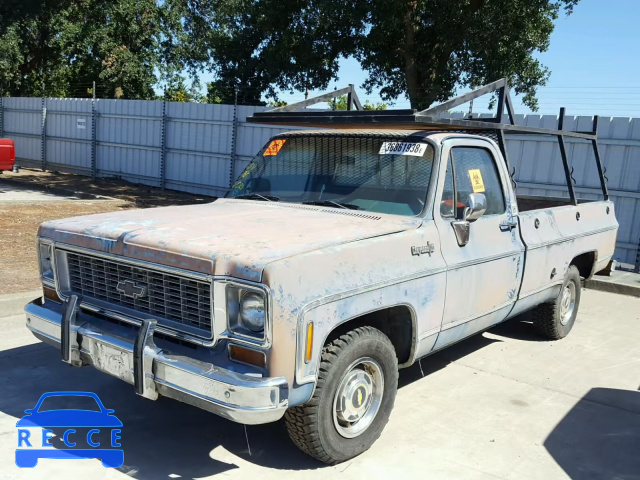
171	297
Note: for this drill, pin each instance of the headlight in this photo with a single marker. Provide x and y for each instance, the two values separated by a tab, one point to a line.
246	311
252	311
45	254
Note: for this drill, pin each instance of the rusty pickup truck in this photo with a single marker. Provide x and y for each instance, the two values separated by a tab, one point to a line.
337	257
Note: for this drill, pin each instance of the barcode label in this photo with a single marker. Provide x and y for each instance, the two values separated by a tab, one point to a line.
403	148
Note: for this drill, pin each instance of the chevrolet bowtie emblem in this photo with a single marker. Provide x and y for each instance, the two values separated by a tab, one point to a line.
131	289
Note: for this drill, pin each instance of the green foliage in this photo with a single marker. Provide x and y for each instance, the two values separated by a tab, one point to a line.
178	91
340	103
425	48
60	48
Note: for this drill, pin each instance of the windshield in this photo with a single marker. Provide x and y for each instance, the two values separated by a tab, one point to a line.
364	172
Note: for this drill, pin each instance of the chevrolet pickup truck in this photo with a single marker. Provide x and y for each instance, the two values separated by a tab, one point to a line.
337	257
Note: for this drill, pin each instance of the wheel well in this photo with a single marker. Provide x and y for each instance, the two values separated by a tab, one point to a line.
585	263
395	322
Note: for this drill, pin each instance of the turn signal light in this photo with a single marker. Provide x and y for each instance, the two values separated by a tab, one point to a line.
51	294
307	355
247	355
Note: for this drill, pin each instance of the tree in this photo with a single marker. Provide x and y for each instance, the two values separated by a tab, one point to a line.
259	46
340	103
426	48
59	48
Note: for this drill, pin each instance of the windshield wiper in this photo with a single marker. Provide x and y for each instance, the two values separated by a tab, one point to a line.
257	196
331	203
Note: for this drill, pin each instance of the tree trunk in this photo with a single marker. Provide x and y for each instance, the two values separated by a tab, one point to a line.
410	65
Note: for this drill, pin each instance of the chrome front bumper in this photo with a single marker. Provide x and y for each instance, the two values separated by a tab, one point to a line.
84	340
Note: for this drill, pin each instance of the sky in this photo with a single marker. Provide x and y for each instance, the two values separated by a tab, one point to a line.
594	58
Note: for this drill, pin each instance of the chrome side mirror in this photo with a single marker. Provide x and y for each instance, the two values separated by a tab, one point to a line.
476	206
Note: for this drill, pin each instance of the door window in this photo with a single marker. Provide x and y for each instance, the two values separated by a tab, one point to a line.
471	170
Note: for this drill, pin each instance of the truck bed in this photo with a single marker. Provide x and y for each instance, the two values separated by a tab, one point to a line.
530	202
555	233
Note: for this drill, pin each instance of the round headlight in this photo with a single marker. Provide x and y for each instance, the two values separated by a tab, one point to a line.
252	311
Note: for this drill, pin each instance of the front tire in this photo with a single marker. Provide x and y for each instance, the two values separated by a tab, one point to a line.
555	319
354	396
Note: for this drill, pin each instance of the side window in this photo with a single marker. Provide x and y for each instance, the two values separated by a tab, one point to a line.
475	172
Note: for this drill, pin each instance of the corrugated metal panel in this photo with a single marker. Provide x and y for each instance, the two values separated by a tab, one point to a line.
68	133
198	147
22	123
128	140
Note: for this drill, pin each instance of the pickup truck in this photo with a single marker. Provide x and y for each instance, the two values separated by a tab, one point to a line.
337	257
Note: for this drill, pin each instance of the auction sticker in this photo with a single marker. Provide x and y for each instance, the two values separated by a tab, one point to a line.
403	148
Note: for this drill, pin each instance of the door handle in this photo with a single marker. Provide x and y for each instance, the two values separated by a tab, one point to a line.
508	225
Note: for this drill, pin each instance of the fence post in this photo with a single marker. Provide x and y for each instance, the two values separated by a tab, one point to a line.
637	265
234	135
163	143
94	119
43	135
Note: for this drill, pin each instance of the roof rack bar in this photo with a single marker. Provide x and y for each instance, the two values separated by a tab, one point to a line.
352	99
509	105
350	91
596	152
565	161
501	86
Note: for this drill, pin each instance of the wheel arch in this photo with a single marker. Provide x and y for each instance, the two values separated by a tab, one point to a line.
398	322
585	263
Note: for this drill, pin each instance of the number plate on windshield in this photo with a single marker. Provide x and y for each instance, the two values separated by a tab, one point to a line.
403	148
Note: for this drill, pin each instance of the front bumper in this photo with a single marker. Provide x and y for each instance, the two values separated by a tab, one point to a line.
134	358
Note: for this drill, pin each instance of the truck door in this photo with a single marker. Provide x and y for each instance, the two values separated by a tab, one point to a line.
483	275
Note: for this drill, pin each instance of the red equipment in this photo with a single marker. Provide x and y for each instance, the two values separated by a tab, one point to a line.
7	154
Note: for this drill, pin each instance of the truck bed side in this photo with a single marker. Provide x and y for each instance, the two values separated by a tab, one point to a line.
555	236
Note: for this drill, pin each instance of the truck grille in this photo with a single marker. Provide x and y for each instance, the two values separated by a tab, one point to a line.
171	297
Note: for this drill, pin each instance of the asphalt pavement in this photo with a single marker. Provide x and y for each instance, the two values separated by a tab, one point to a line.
502	405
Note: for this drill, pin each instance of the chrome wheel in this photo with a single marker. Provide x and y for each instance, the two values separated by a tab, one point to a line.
358	397
567	303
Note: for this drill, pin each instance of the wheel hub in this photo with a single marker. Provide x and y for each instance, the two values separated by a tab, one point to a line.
354	396
567	303
358	397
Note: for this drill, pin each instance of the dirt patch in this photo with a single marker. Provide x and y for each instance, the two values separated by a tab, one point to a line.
18	228
19	221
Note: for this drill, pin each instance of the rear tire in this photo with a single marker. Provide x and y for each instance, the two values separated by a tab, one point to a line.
555	319
354	396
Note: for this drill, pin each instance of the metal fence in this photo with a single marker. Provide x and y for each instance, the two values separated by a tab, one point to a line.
202	148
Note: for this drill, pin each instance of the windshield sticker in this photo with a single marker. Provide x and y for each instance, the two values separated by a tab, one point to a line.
403	148
476	181
274	147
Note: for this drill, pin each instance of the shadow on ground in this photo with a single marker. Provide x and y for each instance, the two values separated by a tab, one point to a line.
600	437
166	438
142	196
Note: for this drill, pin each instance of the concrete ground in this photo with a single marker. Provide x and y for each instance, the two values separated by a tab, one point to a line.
626	283
501	405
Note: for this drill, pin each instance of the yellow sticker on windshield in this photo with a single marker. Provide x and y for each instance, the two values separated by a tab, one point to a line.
477	184
274	147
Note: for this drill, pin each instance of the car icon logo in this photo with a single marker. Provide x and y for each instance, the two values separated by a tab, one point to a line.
88	431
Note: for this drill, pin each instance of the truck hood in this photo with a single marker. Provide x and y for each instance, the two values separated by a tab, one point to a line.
229	237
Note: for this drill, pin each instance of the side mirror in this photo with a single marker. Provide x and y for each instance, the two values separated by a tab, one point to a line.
476	206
